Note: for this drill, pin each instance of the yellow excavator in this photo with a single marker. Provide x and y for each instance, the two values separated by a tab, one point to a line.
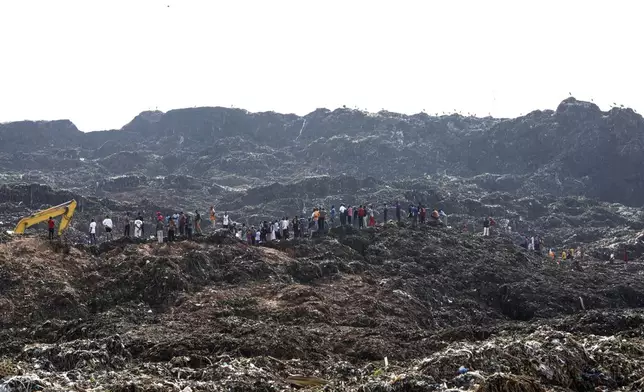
66	210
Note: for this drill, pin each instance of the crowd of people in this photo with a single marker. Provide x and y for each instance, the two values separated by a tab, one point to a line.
186	225
169	227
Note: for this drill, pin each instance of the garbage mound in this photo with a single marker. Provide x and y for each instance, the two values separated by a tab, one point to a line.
382	309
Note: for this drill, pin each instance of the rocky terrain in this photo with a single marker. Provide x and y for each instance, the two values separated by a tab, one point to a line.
384	309
194	156
391	308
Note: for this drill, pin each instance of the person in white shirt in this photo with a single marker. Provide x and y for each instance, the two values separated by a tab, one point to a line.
92	232
285	228
107	223
276	229
343	216
138	225
226	220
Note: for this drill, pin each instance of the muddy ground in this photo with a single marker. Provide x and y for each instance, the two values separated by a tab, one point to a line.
385	309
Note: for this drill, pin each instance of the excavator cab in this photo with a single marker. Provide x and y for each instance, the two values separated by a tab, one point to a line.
66	210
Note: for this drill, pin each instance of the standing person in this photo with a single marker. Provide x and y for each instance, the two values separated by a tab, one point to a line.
343	215
303	226
398	211
285	223
365	217
126	231
107	223
361	215
315	216
332	213
50	226
182	224
250	236
172	227
92	232
272	236
226	220
321	220
160	231
138	227
212	215
386	210
422	211
188	227
356	218
414	215
142	226
349	215
372	217
486	227
197	223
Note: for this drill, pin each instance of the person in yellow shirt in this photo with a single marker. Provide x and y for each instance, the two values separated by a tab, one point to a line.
314	218
564	255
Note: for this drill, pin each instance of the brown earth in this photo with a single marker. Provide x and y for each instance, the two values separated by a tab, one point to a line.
217	315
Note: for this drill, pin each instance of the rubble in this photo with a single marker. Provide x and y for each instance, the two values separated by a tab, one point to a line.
404	312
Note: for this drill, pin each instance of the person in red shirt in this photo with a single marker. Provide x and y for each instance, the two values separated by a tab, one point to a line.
51	224
361	215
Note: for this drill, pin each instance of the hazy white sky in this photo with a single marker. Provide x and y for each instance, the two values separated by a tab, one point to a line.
100	63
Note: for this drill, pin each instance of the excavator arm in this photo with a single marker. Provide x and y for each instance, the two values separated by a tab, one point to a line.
66	210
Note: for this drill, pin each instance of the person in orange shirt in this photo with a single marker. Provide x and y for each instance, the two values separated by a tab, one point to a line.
315	216
212	215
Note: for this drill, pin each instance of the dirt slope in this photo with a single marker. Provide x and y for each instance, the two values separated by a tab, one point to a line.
218	315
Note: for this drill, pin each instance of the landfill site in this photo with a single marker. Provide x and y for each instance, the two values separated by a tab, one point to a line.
395	306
